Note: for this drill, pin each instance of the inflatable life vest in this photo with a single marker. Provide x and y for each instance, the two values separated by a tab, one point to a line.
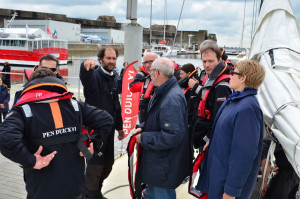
135	184
203	112
196	166
50	90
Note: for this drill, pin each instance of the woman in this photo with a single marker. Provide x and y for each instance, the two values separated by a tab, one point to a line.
4	100
188	71
233	160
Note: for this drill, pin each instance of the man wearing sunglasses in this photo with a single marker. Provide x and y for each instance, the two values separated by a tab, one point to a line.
47	61
143	84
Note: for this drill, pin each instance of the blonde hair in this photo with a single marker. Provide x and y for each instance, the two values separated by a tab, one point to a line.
254	72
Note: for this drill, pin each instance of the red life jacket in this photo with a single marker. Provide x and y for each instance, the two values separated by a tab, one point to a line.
202	111
185	90
147	88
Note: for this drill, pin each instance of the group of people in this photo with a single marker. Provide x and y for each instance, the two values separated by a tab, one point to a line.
215	111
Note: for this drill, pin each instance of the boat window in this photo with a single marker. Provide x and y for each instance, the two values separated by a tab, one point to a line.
45	44
29	45
22	43
35	44
51	44
1	42
6	42
39	44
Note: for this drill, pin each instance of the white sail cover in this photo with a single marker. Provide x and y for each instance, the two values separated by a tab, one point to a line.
278	33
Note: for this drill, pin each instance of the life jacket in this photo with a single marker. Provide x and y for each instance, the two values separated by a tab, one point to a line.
202	111
196	166
51	96
186	90
147	91
135	184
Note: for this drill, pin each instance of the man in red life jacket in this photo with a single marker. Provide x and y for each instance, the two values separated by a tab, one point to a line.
211	92
143	84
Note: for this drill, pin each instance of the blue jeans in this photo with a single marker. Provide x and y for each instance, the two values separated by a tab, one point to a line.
154	192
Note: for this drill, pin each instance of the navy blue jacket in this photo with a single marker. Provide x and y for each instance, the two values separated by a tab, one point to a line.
4	99
100	90
165	157
235	150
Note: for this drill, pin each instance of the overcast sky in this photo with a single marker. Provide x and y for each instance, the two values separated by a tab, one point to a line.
222	17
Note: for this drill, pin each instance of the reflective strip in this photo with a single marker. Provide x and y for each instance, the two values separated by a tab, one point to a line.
75	105
198	89
56	114
27	110
223	84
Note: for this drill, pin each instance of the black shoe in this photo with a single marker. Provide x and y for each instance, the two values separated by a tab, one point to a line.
101	196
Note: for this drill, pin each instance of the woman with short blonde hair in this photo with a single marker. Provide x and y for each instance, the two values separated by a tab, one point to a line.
234	154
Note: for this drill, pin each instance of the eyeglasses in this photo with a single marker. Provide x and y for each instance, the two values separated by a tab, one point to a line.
234	73
52	69
147	62
153	69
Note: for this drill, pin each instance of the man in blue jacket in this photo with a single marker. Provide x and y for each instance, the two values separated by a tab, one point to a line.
164	137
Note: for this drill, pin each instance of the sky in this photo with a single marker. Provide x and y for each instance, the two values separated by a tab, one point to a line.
222	17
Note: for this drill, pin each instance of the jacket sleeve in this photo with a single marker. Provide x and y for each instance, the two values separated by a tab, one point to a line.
244	149
119	120
173	127
96	119
11	145
137	84
88	79
7	98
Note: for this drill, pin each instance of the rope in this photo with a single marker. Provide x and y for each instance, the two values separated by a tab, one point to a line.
242	38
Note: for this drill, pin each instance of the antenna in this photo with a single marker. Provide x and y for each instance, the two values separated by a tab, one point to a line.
10	22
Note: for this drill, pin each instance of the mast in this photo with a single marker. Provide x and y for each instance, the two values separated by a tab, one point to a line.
150	29
165	15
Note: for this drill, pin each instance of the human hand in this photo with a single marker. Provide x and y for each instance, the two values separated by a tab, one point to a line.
226	196
121	134
275	169
2	106
138	138
43	161
138	130
263	189
89	64
192	82
205	146
90	148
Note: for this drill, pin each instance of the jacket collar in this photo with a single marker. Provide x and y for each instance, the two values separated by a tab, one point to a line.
142	68
238	95
105	73
165	86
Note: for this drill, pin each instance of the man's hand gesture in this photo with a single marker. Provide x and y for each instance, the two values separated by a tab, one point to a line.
89	64
42	161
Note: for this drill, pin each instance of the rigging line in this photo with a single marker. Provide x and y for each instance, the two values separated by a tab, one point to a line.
242	38
252	28
256	13
177	25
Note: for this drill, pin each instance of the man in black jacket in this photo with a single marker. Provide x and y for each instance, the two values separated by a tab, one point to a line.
211	91
41	134
100	90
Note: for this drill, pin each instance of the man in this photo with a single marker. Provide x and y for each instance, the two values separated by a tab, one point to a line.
41	134
164	135
99	87
211	92
47	61
142	84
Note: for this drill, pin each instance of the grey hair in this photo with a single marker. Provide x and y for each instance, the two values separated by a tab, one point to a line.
208	43
156	55
165	66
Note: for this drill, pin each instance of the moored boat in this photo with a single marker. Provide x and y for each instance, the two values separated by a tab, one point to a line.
23	46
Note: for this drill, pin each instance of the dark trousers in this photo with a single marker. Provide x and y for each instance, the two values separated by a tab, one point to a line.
284	185
99	167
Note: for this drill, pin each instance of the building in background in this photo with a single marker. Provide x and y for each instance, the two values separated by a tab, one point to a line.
64	30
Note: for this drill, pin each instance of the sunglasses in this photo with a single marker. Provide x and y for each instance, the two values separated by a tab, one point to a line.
234	73
52	69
